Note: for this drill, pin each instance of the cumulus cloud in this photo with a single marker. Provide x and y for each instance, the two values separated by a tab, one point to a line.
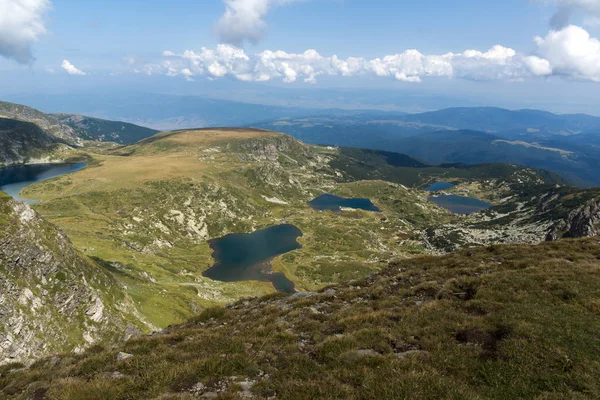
571	52
244	20
71	69
21	24
409	66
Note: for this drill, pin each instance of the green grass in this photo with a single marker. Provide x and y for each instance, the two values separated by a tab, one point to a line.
502	322
118	207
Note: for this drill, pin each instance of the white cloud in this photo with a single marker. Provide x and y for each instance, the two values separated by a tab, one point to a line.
244	20
498	63
71	69
571	52
21	24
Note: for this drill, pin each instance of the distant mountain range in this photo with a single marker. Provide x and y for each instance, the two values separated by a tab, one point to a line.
28	135
566	144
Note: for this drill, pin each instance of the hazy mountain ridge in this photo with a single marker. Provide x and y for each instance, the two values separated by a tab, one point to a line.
50	124
28	135
508	122
100	130
565	144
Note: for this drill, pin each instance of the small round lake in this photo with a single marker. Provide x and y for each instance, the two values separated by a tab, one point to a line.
247	257
14	179
439	186
460	204
336	203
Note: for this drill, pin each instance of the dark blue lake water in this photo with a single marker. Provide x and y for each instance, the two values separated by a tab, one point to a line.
335	203
440	186
460	204
247	257
15	178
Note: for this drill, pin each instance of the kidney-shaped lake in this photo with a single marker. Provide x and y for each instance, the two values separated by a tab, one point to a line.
247	257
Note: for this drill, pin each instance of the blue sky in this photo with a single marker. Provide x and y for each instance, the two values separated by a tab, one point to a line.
470	48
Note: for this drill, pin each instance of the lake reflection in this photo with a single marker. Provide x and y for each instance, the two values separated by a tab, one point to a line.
247	257
439	186
16	178
336	203
460	204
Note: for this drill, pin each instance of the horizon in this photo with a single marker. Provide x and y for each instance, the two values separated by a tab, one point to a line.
420	57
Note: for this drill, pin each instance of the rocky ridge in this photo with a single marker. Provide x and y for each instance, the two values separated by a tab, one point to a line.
53	299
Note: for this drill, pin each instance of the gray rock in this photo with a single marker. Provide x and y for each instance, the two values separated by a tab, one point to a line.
367	353
301	295
409	353
123	356
198	387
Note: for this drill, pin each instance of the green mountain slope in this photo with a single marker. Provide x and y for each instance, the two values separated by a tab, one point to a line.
502	322
148	210
101	130
52	298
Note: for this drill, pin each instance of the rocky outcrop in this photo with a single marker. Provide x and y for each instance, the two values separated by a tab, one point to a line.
52	299
21	142
529	214
582	222
48	123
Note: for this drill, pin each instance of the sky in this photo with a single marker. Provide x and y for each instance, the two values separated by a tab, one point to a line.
516	53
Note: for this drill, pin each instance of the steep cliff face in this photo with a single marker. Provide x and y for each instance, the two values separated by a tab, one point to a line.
21	142
52	299
582	222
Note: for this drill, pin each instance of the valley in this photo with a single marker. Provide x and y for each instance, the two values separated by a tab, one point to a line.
182	221
299	200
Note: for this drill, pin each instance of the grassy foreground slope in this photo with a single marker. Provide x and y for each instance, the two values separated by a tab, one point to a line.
502	322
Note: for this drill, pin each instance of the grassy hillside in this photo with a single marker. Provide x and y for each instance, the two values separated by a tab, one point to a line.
146	212
149	209
502	322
